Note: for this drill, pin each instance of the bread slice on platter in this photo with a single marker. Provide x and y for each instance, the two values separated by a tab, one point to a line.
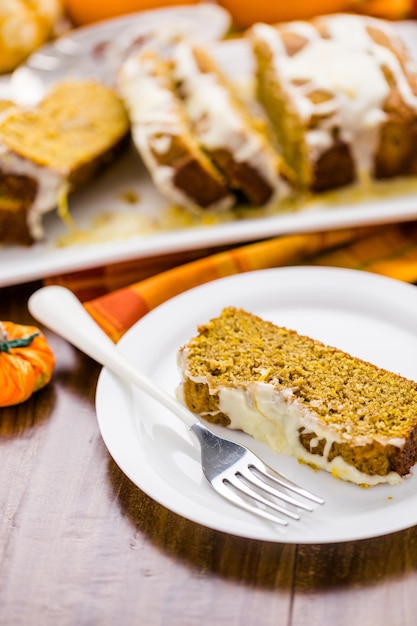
50	150
180	169
225	129
341	93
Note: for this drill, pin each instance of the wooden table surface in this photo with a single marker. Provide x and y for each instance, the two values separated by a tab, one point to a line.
80	545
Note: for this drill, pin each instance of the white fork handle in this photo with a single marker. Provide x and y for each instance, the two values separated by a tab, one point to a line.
61	311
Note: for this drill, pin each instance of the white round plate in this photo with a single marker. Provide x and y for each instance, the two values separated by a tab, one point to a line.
369	316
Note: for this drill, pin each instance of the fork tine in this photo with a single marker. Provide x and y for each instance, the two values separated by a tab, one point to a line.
222	462
236	482
224	490
251	477
264	471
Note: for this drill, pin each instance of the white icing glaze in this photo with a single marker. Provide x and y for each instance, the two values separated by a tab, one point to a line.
51	187
154	116
216	121
275	417
349	65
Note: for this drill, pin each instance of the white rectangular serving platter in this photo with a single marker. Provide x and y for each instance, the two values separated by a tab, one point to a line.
120	216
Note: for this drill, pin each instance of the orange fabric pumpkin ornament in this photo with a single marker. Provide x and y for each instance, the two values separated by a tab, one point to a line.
26	362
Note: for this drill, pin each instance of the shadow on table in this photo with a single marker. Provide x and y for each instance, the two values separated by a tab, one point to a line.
265	564
17	420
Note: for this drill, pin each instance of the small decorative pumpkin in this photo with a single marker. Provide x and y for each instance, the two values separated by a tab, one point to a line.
26	362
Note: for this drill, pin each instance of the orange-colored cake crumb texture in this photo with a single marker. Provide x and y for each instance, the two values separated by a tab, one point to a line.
52	149
341	94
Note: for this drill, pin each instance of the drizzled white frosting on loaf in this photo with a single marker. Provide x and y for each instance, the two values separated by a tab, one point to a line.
153	117
155	122
349	66
218	123
51	187
274	416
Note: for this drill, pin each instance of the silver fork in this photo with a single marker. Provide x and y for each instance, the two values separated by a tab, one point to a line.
231	469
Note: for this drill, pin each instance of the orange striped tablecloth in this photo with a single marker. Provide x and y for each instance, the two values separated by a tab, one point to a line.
119	295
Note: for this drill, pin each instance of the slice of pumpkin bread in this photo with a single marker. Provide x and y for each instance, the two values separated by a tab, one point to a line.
303	398
52	149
